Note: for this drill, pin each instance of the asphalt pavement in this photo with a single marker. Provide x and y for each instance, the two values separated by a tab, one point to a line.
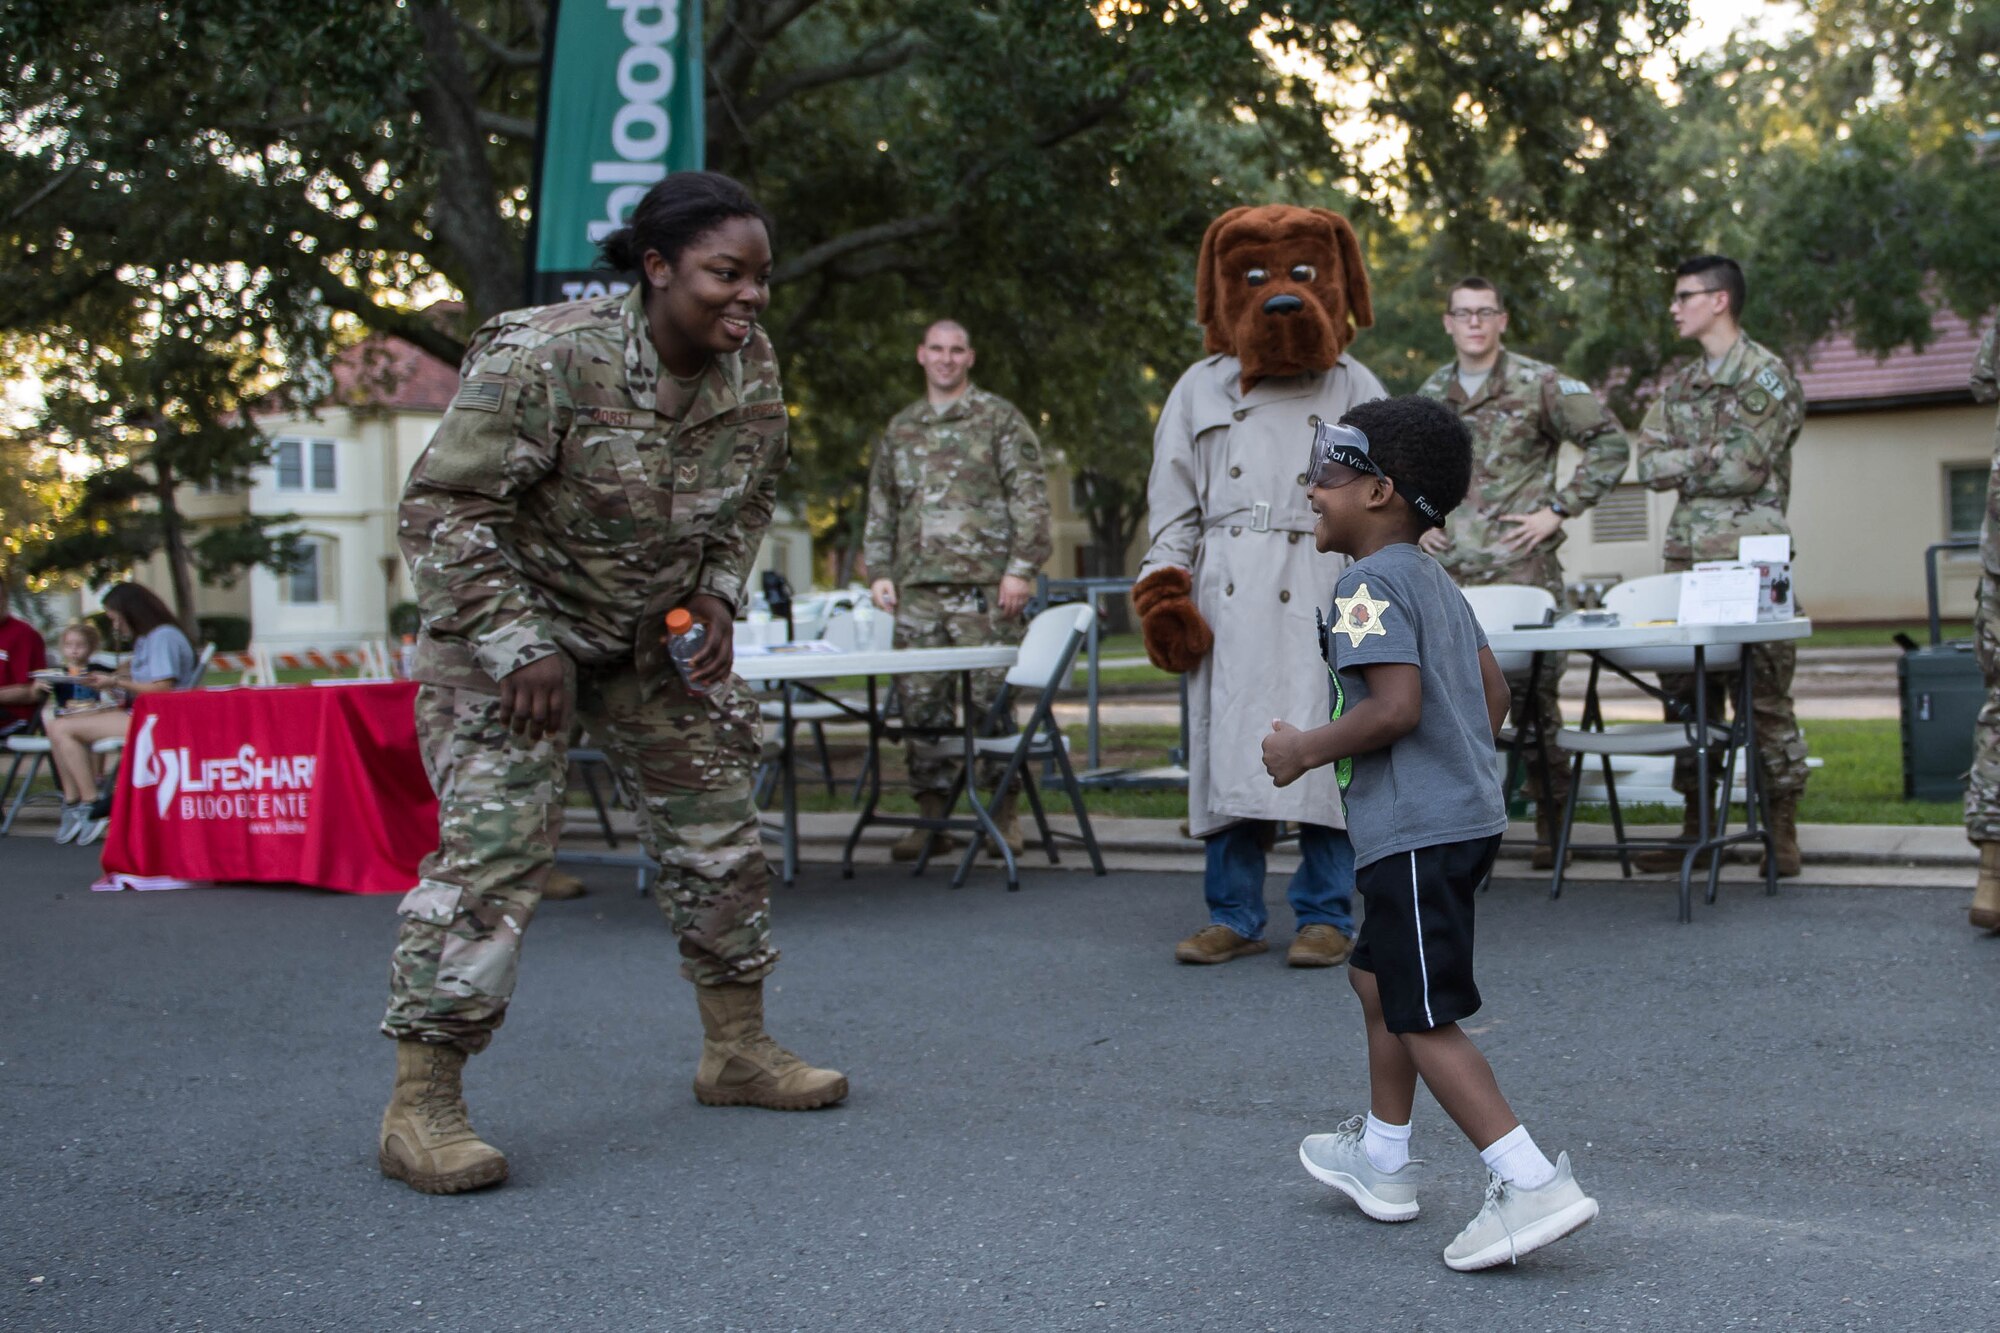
1787	1109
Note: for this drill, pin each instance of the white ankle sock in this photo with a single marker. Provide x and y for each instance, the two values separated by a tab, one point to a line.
1515	1159
1387	1146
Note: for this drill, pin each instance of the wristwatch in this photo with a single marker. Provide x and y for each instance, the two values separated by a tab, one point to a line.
1556	508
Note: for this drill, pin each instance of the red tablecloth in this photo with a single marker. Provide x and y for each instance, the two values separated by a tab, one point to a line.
306	784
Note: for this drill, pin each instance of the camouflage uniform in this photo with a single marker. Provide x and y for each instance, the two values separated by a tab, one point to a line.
571	496
1724	441
1519	420
1982	791
956	499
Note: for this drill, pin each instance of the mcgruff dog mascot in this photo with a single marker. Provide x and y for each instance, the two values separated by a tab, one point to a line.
1230	585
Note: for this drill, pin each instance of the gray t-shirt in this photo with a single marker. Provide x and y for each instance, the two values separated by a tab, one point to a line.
1441	783
164	653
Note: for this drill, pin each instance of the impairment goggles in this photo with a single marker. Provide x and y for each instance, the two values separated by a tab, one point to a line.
1340	455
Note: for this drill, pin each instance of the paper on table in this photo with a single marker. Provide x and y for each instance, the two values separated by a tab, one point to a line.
1719	593
809	647
1775	548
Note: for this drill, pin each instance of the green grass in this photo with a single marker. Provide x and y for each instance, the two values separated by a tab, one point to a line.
1881	636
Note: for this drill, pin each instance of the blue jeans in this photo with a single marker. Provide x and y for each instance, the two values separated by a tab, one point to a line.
1322	890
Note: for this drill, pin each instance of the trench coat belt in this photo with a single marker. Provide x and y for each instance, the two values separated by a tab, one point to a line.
1256	517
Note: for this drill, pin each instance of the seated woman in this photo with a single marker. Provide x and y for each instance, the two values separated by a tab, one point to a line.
162	659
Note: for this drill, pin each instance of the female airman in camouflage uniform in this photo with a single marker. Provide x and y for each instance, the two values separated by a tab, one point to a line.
603	461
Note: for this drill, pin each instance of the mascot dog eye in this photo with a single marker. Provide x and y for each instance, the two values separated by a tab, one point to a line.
1301	297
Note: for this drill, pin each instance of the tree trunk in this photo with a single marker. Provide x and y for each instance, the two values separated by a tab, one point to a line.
173	541
1112	527
464	215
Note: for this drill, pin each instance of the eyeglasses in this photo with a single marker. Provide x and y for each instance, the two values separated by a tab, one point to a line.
1480	315
1682	298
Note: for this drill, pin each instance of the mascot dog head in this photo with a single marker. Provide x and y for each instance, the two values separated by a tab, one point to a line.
1281	289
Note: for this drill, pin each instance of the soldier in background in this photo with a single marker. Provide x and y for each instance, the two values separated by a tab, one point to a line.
1982	792
1520	411
1721	435
602	462
958	528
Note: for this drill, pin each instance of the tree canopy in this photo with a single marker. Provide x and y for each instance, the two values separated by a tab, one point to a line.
1040	171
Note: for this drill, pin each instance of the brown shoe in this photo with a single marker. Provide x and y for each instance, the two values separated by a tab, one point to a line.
1318	945
1216	944
742	1066
1667	860
562	886
910	846
1784	836
1007	818
1985	911
1544	855
427	1141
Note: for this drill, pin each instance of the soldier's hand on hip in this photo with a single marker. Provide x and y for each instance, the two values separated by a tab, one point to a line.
717	658
884	593
534	700
1530	530
1014	595
1434	542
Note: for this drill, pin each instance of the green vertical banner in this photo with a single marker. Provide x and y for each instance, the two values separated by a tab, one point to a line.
620	108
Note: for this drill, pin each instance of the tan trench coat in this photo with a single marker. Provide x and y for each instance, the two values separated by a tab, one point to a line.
1228	503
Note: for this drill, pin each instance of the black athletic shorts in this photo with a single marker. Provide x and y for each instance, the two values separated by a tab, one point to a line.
1417	935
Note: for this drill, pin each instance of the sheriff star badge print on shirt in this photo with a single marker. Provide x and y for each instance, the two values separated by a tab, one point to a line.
1359	616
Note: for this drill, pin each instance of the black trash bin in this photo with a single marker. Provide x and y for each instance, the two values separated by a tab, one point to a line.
1942	692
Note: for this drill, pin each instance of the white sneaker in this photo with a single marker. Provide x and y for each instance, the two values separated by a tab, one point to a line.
1338	1159
89	830
1514	1221
71	820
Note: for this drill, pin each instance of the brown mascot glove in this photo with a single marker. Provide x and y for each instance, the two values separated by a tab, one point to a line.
1177	638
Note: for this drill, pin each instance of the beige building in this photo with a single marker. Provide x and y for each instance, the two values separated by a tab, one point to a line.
1893	457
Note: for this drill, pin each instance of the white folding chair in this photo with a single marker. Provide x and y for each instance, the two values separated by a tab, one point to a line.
31	747
1638	601
1047	651
1504	607
1500	607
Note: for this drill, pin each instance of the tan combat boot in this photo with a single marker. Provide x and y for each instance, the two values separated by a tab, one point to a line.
1785	835
742	1066
1547	819
427	1142
562	886
1667	860
1007	818
910	846
1985	913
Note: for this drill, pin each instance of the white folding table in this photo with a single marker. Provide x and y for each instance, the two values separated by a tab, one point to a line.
1598	639
796	672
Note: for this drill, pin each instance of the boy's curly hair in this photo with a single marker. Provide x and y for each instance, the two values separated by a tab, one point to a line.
1421	445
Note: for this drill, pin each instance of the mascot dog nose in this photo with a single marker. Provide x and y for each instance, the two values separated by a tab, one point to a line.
1284	305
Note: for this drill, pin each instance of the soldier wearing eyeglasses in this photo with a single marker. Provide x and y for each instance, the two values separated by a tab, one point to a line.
1520	411
1721	434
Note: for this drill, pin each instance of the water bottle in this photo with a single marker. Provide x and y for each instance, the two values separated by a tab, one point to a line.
684	639
407	657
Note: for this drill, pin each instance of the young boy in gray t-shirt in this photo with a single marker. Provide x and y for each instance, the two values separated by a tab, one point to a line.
1417	700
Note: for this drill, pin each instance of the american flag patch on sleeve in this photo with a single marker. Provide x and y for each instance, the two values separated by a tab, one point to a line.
480	395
